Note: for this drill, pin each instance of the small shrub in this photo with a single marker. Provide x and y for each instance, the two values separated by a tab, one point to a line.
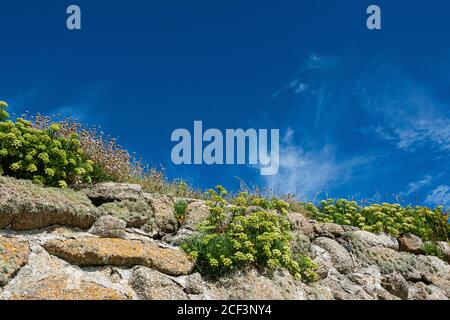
41	155
232	240
307	267
180	210
212	253
426	223
433	249
111	162
245	199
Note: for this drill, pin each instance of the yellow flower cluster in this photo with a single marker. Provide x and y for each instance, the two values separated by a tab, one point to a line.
233	239
41	155
391	218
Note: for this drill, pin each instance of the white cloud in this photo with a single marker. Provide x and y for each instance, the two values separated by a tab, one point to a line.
295	85
408	113
439	196
312	63
416	185
307	173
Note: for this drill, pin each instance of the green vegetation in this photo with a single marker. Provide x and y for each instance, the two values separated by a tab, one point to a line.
137	214
244	230
307	267
154	180
391	218
433	249
180	210
367	255
232	239
41	155
110	161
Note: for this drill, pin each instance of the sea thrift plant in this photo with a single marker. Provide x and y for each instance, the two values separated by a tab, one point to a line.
41	155
111	162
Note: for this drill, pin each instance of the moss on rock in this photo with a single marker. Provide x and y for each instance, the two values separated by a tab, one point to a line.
137	214
26	206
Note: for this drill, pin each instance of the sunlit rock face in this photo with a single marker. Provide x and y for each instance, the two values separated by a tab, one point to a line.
113	241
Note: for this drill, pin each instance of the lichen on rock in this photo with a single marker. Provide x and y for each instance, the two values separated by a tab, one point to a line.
13	255
57	244
136	214
91	251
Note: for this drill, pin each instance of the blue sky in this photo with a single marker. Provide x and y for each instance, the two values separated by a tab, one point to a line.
362	114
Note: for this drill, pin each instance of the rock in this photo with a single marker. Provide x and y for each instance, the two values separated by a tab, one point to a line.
49	278
13	255
300	223
177	239
63	288
441	283
392	261
431	265
337	286
153	285
109	227
387	259
410	243
371	281
421	291
26	206
110	192
340	257
372	239
330	230
397	285
192	284
349	228
445	247
196	212
112	273
323	260
90	251
164	213
46	252
137	214
300	243
253	286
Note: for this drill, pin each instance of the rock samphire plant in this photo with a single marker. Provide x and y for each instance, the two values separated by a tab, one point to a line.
394	219
235	238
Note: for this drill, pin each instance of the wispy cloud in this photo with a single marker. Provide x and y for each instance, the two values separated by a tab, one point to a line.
299	84
311	166
295	85
305	173
439	196
408	113
381	100
416	185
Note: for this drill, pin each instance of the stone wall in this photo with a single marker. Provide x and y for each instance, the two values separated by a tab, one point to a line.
114	241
